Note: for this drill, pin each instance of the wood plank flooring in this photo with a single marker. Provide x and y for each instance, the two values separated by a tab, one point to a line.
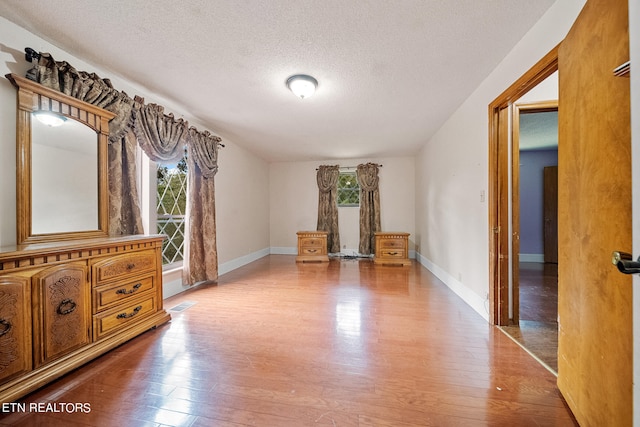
537	330
279	343
539	292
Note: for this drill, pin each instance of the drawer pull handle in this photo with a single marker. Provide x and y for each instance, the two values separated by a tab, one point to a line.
66	306
6	327
313	250
126	292
393	253
131	266
133	313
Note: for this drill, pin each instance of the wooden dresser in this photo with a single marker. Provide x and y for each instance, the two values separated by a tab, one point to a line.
391	248
65	303
312	246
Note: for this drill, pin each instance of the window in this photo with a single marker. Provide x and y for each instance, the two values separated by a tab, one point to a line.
348	189
171	208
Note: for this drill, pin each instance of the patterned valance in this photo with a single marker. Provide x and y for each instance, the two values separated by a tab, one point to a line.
204	149
87	87
160	135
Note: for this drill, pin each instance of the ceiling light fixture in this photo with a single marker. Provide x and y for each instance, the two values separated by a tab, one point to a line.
302	86
50	119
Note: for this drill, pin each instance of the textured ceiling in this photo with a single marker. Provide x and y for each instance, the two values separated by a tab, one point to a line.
539	131
390	72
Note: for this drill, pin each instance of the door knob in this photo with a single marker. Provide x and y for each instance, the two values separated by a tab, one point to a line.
625	263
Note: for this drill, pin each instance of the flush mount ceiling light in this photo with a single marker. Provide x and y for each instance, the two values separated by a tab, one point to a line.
50	119
302	86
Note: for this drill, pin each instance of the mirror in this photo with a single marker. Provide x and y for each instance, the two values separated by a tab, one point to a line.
62	178
64	173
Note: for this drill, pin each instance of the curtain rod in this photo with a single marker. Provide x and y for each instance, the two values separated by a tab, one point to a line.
353	167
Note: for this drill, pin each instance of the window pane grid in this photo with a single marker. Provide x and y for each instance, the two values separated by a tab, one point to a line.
348	190
171	209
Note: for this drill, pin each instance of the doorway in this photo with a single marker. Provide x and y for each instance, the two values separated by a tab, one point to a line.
500	220
534	276
504	250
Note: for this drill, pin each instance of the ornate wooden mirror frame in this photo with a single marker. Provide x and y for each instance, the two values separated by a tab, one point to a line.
34	97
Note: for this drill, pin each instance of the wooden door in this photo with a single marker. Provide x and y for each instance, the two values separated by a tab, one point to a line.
550	207
594	194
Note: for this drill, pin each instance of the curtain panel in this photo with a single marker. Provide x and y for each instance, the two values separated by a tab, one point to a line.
327	178
368	180
201	253
124	206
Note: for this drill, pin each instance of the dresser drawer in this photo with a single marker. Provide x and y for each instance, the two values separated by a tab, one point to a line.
124	265
119	317
107	296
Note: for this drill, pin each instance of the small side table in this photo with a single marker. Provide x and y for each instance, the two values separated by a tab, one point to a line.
312	246
391	248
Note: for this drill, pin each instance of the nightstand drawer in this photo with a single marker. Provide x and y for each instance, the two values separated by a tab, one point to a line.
393	243
106	296
312	241
311	251
391	253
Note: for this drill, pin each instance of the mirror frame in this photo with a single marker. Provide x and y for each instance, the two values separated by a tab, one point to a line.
32	97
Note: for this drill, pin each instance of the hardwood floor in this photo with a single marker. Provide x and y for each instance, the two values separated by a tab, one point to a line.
538	327
539	292
279	343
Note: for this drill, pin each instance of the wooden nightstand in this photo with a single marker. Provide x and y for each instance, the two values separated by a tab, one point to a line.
312	246
392	248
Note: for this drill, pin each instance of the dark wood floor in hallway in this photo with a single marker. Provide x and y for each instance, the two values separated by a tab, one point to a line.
537	330
279	343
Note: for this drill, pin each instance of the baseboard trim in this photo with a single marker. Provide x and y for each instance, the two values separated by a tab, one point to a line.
172	283
480	305
241	261
283	250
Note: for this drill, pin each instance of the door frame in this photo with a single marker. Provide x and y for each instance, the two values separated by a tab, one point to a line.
500	232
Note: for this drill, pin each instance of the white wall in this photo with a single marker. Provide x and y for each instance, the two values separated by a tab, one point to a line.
242	208
546	90
294	201
242	203
452	236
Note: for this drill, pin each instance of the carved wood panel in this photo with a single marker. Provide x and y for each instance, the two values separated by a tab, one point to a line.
64	310
15	328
